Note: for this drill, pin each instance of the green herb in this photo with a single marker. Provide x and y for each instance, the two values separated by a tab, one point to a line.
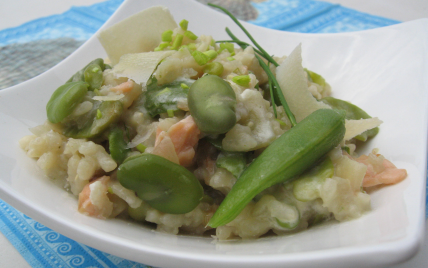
167	36
242	80
141	147
177	42
190	35
200	57
211	54
99	114
183	24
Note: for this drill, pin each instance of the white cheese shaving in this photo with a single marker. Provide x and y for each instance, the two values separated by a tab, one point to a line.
356	127
108	97
294	85
138	33
139	66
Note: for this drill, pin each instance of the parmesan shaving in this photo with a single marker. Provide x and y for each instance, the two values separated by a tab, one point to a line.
139	33
139	66
108	97
356	127
294	85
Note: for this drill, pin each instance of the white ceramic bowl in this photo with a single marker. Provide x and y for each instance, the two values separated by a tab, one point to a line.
384	71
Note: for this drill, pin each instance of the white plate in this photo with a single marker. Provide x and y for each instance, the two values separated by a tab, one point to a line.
384	71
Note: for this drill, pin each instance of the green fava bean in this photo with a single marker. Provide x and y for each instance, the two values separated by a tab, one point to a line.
64	100
79	76
212	104
117	145
110	113
93	76
164	185
353	112
287	157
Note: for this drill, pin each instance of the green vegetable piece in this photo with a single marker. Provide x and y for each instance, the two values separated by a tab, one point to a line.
167	36
64	100
184	86
292	221
183	24
117	145
93	75
99	114
211	54
141	147
230	58
80	76
140	213
216	142
353	112
233	162
177	42
306	187
160	99
94	126
162	46
190	35
316	78
212	103
214	68
200	57
164	185
242	80
170	113
227	46
287	157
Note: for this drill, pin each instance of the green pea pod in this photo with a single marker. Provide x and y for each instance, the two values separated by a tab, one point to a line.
117	145
305	188
110	112
64	100
164	185
353	112
288	156
80	76
233	162
212	104
93	75
316	78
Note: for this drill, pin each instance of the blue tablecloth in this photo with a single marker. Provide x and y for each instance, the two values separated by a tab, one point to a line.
43	247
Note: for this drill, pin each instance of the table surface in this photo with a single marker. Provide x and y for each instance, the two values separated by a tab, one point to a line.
17	12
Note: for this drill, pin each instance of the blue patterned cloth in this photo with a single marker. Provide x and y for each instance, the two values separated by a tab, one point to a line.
41	246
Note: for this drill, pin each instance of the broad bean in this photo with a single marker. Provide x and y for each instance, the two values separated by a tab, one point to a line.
64	100
110	113
164	185
117	145
212	104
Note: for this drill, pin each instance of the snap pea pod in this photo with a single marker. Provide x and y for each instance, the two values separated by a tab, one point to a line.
353	112
212	104
64	100
164	185
109	111
288	156
117	145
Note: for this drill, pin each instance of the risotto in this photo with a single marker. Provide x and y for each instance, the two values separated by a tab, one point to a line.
203	137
